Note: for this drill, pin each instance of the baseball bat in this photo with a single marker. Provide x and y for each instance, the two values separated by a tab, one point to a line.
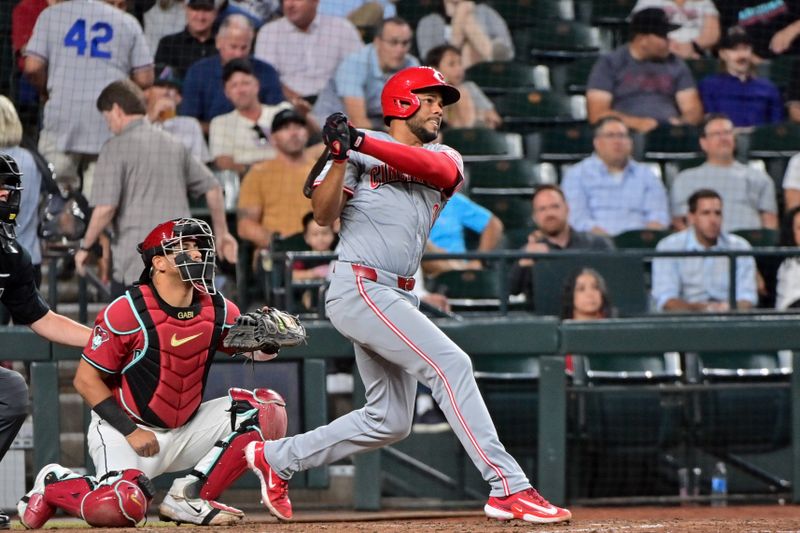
308	186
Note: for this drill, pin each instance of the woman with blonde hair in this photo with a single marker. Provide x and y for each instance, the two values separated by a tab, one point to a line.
28	221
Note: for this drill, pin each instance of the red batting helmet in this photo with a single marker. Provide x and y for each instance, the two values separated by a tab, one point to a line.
399	91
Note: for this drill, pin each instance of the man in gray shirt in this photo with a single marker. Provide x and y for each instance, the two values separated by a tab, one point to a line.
641	82
748	195
144	174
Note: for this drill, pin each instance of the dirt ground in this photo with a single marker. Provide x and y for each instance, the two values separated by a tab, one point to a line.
734	519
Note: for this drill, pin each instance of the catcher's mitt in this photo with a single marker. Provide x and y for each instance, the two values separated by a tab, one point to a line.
267	330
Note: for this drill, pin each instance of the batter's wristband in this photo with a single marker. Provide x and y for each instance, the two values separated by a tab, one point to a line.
109	411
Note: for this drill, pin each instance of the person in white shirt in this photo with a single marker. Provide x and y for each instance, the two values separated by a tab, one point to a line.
787	290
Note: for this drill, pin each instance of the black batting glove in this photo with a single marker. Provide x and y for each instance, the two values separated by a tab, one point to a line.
336	135
356	137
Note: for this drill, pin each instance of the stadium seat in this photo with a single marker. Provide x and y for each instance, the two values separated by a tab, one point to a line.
483	144
540	108
624	275
775	141
513	176
571	78
639	238
513	210
517	14
412	12
735	418
704	67
498	77
470	289
560	144
515	238
248	290
557	40
611	16
759	237
276	282
668	143
780	70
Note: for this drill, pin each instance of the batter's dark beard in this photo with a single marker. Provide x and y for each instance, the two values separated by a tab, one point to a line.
421	133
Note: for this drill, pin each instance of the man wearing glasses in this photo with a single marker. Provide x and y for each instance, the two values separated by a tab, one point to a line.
748	194
356	87
608	192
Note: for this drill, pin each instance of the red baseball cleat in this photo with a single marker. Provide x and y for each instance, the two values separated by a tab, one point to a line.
274	489
527	505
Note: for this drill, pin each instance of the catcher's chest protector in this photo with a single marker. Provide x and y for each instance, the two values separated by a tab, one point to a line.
167	377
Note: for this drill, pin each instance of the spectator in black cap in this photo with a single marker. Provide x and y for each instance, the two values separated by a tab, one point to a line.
736	92
240	138
698	25
196	41
271	198
642	82
163	99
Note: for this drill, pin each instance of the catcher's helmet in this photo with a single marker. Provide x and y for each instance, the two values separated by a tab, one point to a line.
174	237
11	181
400	89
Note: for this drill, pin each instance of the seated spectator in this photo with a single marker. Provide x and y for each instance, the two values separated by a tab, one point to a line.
305	47
271	198
196	41
773	25
791	183
701	283
458	214
585	296
23	19
163	99
356	87
473	109
608	192
641	82
746	99
203	92
787	290
474	28
27	220
748	194
240	138
162	19
257	12
697	24
362	13
552	233
319	239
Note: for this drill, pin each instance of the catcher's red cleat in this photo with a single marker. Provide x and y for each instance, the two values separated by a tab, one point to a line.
527	505
274	489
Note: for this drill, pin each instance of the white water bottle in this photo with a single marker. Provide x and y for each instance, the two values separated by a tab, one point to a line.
719	485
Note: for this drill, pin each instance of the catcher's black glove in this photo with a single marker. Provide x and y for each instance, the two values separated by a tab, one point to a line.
267	330
336	134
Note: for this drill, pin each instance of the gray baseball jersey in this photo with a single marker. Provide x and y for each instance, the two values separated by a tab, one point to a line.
385	224
87	44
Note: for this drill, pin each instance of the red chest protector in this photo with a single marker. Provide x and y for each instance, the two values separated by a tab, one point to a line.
166	378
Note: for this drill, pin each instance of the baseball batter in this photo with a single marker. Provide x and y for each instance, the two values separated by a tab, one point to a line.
388	190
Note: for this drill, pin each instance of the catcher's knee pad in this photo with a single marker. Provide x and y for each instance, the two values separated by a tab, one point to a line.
269	410
119	500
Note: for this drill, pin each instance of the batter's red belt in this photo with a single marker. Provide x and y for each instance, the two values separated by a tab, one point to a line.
372	274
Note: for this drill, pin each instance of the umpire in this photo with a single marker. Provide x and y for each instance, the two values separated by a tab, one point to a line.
18	293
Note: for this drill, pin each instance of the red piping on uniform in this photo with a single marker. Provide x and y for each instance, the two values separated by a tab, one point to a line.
435	168
439	372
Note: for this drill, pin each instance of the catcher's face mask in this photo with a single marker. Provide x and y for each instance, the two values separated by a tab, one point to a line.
189	246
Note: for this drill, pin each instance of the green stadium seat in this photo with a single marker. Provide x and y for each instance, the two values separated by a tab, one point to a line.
412	12
611	16
780	70
483	144
669	143
560	144
470	289
557	40
497	77
515	238
704	67
513	210
625	277
572	77
519	13
639	238
775	141
760	237
540	108
513	176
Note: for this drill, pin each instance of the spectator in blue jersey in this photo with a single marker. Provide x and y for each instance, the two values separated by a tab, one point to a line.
203	91
744	98
447	235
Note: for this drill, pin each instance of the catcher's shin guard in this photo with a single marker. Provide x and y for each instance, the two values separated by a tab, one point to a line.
266	419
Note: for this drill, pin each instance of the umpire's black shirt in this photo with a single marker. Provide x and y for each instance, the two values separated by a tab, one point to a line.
18	288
